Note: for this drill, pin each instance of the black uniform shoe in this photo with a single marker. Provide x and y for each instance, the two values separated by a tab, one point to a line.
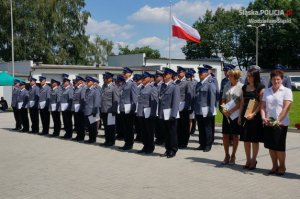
126	147
66	136
90	141
200	148
207	149
142	151
171	155
54	135
164	155
182	146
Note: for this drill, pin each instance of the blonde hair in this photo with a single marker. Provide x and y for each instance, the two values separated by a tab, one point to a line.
236	74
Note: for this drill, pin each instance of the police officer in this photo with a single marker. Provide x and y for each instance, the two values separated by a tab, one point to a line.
14	105
44	97
146	112
78	107
189	75
204	107
54	106
169	98
97	86
159	135
127	104
138	79
34	92
117	93
186	93
23	100
65	105
91	108
213	78
108	109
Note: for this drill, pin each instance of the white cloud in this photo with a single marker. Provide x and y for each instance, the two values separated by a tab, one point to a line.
183	8
110	30
154	42
149	14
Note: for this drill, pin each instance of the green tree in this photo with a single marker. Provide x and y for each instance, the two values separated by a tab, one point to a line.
99	50
278	43
50	31
150	53
225	33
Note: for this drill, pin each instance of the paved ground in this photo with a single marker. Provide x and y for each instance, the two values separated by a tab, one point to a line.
33	166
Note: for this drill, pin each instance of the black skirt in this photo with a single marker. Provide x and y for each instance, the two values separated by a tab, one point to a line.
252	130
275	138
231	128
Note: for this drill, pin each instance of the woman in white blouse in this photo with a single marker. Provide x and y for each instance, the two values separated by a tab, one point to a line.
275	106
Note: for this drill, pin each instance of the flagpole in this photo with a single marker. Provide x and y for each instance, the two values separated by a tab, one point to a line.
170	33
12	40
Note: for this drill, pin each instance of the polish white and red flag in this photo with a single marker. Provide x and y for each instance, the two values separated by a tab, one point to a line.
184	31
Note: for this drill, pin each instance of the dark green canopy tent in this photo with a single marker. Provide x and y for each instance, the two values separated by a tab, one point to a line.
7	80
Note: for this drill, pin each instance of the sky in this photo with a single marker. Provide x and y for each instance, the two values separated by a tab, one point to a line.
138	23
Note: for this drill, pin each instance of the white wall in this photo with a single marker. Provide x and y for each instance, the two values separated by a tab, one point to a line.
6	91
127	60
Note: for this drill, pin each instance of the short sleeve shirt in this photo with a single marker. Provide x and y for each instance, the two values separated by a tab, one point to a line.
232	92
274	102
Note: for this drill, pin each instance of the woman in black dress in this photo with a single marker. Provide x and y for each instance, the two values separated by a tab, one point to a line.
251	124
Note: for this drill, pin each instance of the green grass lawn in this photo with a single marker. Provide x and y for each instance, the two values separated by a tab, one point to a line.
294	111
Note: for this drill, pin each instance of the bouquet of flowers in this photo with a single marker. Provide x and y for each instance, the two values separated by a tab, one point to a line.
223	109
274	123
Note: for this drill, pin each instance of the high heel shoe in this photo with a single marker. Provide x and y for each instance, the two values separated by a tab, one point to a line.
246	166
253	167
272	171
232	160
226	159
280	172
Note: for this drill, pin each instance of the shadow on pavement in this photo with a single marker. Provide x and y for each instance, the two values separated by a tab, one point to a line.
239	168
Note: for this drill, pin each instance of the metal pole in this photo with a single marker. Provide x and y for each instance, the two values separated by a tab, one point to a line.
257	45
170	33
12	40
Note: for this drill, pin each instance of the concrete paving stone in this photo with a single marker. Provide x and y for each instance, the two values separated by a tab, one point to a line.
33	166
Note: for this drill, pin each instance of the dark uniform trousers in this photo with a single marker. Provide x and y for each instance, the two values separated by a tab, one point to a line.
24	119
138	128
34	117
92	129
205	126
183	130
193	129
119	131
127	125
147	134
79	124
45	118
169	128
68	123
56	121
109	130
17	116
159	134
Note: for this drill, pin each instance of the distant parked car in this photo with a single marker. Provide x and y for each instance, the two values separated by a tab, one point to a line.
295	80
